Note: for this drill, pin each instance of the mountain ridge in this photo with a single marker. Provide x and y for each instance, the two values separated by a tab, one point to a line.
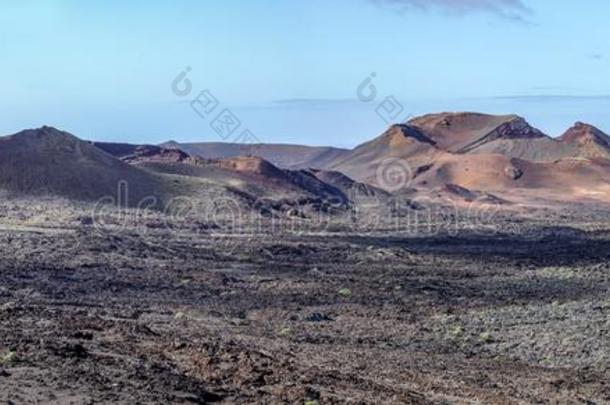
478	152
286	156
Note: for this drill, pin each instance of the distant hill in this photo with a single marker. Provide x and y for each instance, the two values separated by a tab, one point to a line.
281	155
50	162
255	178
250	174
131	153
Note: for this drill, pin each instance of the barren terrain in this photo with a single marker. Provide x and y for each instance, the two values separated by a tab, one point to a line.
133	312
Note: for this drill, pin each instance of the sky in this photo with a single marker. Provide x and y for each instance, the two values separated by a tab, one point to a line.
313	72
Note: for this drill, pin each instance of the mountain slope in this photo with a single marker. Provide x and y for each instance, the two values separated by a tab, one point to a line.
402	142
47	161
567	179
352	189
588	140
534	149
254	179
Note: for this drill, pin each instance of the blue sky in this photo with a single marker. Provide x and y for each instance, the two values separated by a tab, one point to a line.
289	69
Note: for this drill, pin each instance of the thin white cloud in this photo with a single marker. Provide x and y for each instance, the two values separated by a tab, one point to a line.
510	9
314	101
551	97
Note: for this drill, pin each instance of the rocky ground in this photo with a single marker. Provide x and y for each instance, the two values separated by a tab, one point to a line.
131	313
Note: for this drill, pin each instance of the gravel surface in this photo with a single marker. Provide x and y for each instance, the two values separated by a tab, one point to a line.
139	314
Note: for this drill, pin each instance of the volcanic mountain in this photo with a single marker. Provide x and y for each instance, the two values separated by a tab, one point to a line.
482	152
424	140
47	161
511	136
508	135
281	155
